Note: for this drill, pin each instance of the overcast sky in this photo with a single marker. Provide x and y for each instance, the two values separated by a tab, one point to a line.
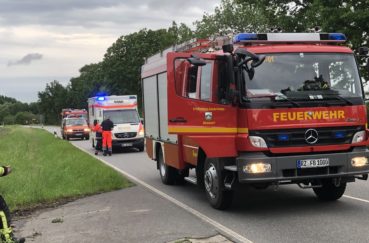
46	40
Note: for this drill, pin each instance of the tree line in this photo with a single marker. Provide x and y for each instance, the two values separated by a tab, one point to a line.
118	73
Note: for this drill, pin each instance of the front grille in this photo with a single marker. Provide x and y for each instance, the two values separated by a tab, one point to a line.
311	171
125	135
296	137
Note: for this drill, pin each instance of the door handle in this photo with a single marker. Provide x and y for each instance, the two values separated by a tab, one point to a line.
178	119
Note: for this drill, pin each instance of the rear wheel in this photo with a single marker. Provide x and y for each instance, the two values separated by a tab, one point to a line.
217	195
167	173
329	191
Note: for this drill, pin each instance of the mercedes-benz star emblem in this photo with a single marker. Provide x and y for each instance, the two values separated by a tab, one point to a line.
311	136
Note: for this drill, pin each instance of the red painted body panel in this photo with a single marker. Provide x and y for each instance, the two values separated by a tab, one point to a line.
149	148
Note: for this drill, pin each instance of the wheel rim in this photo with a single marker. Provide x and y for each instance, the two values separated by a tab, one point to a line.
162	167
211	181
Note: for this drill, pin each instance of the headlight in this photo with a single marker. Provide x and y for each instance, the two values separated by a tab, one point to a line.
258	142
358	137
359	161
141	133
87	130
69	130
258	167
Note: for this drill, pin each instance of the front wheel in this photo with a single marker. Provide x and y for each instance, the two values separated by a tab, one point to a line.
329	191
217	195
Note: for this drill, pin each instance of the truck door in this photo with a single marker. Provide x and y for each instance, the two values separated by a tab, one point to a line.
197	101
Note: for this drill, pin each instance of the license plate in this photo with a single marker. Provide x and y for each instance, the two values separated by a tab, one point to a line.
79	134
127	144
312	163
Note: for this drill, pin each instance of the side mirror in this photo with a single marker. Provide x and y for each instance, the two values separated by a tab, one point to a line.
196	61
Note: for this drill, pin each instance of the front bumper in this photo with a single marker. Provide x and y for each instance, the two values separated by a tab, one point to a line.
284	168
127	143
78	134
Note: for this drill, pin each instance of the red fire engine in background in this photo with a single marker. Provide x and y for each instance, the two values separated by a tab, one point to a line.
267	109
69	113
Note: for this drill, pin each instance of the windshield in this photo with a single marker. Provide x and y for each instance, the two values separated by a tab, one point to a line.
122	116
75	122
306	75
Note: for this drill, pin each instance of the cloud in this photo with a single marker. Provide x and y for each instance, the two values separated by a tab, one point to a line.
26	60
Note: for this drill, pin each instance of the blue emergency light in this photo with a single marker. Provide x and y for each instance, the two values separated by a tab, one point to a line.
337	36
339	134
101	98
283	137
289	37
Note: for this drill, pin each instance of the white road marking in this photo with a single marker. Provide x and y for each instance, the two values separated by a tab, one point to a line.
230	233
357	198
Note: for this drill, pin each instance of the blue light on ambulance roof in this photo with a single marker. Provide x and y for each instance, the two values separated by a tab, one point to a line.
337	36
245	37
101	98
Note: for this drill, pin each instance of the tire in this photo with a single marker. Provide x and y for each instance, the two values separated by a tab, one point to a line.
141	148
87	137
329	191
168	174
217	195
66	137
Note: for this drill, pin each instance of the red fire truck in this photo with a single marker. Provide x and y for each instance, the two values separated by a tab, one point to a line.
76	113
267	109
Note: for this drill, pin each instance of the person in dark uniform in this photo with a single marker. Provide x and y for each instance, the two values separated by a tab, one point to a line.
107	125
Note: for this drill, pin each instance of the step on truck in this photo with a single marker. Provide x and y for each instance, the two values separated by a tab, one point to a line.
262	110
128	131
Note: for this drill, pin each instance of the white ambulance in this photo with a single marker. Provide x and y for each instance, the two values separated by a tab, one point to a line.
128	130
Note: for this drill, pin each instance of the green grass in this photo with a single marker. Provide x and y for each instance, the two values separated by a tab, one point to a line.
48	170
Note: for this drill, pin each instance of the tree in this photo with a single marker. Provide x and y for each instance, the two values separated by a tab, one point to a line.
52	100
232	17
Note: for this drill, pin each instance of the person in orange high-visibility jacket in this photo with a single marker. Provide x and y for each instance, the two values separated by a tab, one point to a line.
98	130
107	125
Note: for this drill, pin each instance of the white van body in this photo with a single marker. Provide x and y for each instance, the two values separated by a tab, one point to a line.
122	110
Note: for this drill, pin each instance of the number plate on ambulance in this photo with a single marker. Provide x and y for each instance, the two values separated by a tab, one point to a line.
127	144
312	163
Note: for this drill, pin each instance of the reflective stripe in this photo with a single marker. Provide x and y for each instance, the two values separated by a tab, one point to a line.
185	129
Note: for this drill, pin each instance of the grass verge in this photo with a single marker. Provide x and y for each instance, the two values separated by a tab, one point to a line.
48	170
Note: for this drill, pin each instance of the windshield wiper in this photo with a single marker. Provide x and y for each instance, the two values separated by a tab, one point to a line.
346	101
277	98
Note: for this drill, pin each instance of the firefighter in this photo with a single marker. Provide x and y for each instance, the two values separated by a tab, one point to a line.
98	131
107	125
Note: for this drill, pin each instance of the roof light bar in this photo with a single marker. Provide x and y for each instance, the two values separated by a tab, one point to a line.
101	98
289	37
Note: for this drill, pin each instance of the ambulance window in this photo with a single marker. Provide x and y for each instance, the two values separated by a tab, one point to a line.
205	87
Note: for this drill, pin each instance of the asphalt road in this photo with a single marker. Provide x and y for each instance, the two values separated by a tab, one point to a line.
289	214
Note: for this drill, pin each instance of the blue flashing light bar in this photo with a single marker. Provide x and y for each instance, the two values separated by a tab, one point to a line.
337	36
289	37
101	98
245	36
